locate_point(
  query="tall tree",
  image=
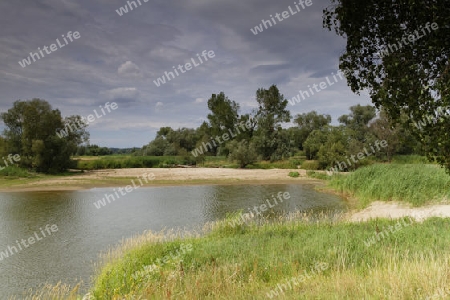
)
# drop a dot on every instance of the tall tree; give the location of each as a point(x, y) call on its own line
point(224, 113)
point(308, 122)
point(384, 129)
point(399, 50)
point(358, 120)
point(270, 115)
point(31, 131)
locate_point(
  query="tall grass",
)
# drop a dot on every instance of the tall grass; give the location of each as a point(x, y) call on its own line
point(120, 162)
point(127, 161)
point(249, 261)
point(416, 184)
point(15, 172)
point(410, 159)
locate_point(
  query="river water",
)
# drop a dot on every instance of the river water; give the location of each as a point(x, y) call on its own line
point(66, 252)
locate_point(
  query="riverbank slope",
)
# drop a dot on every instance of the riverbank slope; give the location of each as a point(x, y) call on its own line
point(159, 177)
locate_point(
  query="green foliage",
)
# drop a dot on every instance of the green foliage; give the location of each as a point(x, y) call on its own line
point(169, 142)
point(416, 184)
point(15, 172)
point(270, 141)
point(93, 150)
point(224, 114)
point(357, 121)
point(294, 174)
point(307, 123)
point(280, 164)
point(409, 159)
point(243, 152)
point(34, 131)
point(405, 78)
point(310, 165)
point(122, 162)
point(277, 147)
point(318, 175)
point(314, 141)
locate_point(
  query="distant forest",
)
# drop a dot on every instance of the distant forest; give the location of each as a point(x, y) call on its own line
point(261, 135)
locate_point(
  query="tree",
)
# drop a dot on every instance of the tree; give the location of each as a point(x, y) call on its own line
point(357, 121)
point(399, 51)
point(307, 123)
point(315, 140)
point(270, 115)
point(224, 114)
point(31, 131)
point(243, 152)
point(386, 130)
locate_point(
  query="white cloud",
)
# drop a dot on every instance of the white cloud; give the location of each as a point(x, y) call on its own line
point(129, 69)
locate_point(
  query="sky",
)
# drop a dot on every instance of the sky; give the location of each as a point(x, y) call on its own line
point(117, 57)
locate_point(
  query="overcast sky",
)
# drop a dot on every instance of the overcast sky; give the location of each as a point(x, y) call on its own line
point(117, 58)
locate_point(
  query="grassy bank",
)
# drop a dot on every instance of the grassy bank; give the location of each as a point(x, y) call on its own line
point(284, 260)
point(417, 184)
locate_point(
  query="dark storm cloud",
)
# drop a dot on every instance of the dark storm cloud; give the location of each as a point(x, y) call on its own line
point(117, 58)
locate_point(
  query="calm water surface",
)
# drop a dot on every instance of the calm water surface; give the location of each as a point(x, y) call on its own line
point(84, 231)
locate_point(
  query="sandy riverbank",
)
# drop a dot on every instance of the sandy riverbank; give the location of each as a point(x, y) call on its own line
point(395, 210)
point(162, 177)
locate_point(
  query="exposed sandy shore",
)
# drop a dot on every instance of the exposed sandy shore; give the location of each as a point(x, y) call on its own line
point(162, 176)
point(394, 210)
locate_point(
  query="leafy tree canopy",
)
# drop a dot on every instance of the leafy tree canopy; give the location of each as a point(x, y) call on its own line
point(395, 51)
point(31, 131)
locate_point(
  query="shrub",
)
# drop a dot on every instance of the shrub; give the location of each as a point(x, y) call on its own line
point(294, 174)
point(310, 165)
point(14, 171)
point(318, 175)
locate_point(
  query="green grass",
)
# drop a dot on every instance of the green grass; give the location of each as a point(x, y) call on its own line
point(410, 159)
point(128, 161)
point(416, 184)
point(248, 261)
point(13, 172)
point(291, 163)
point(318, 175)
point(119, 162)
point(310, 165)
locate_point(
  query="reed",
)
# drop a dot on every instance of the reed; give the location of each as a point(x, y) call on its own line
point(417, 184)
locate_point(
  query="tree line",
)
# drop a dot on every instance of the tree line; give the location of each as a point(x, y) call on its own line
point(31, 129)
point(269, 138)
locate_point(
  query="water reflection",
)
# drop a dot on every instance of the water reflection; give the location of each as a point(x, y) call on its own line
point(85, 231)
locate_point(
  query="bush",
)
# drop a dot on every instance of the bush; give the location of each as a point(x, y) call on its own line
point(318, 175)
point(243, 152)
point(14, 171)
point(310, 165)
point(294, 174)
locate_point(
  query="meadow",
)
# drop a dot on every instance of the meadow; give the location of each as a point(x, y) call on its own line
point(278, 259)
